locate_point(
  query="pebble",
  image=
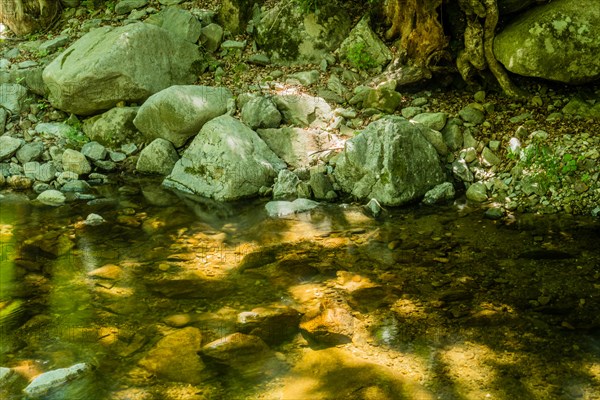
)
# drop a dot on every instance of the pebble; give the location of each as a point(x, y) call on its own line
point(94, 220)
point(494, 213)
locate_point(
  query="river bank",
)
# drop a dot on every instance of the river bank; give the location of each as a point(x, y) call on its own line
point(535, 155)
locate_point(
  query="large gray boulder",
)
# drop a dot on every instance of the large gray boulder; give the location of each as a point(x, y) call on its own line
point(226, 161)
point(390, 161)
point(109, 65)
point(288, 34)
point(558, 41)
point(179, 112)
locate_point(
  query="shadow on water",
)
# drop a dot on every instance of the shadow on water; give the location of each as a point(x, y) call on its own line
point(438, 303)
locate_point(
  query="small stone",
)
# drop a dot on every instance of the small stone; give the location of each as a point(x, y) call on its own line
point(539, 135)
point(419, 101)
point(479, 96)
point(469, 155)
point(178, 320)
point(410, 112)
point(94, 151)
point(520, 118)
point(211, 37)
point(233, 44)
point(66, 176)
point(159, 157)
point(477, 192)
point(126, 6)
point(440, 193)
point(489, 158)
point(136, 15)
point(374, 207)
point(284, 208)
point(109, 271)
point(55, 43)
point(259, 59)
point(94, 220)
point(30, 152)
point(537, 101)
point(52, 198)
point(76, 186)
point(544, 300)
point(8, 146)
point(435, 121)
point(580, 187)
point(19, 182)
point(472, 115)
point(460, 169)
point(27, 64)
point(307, 78)
point(117, 156)
point(46, 381)
point(129, 148)
point(76, 162)
point(31, 168)
point(494, 213)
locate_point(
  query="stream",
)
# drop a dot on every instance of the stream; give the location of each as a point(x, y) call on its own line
point(175, 298)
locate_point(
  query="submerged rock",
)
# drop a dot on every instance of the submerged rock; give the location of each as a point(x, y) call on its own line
point(283, 208)
point(333, 326)
point(273, 324)
point(43, 383)
point(246, 354)
point(175, 358)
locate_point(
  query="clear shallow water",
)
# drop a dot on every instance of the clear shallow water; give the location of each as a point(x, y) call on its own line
point(439, 302)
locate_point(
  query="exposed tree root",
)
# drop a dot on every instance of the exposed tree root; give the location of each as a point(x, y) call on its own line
point(478, 53)
point(497, 69)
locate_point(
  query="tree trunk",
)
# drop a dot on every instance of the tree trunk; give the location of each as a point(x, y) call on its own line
point(416, 25)
point(26, 16)
point(422, 42)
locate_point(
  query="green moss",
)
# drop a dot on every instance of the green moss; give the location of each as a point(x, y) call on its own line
point(359, 57)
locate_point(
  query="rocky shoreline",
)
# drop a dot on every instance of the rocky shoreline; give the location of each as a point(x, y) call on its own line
point(291, 131)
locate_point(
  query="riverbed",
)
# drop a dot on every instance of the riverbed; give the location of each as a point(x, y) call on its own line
point(420, 302)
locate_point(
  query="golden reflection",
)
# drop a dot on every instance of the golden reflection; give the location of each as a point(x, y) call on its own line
point(469, 366)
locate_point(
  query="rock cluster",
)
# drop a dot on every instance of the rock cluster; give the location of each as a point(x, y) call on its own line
point(314, 134)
